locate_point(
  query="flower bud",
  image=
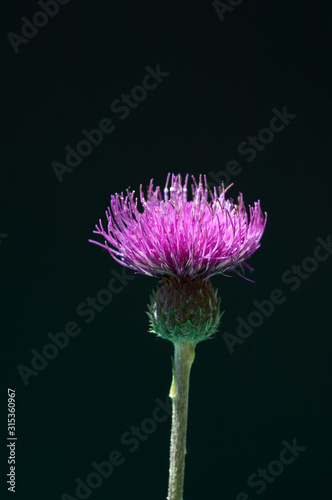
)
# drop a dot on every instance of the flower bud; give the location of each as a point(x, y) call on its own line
point(184, 310)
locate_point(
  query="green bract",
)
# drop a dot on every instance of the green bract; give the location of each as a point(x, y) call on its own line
point(184, 310)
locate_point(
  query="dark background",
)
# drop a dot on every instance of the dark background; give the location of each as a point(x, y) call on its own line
point(225, 78)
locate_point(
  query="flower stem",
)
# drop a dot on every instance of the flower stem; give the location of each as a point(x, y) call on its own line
point(184, 354)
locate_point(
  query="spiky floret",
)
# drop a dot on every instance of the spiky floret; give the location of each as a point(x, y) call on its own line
point(186, 310)
point(172, 236)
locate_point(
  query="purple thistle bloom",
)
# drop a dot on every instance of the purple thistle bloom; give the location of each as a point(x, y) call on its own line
point(172, 236)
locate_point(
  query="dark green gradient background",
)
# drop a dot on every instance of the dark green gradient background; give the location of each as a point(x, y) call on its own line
point(225, 79)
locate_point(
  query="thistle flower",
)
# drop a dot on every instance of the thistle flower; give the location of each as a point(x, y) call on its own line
point(172, 236)
point(183, 243)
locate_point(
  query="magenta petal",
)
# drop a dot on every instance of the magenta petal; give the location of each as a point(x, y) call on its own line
point(173, 236)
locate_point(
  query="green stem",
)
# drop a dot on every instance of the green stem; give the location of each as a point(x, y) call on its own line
point(184, 354)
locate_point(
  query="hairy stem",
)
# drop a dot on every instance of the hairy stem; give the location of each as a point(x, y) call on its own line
point(184, 354)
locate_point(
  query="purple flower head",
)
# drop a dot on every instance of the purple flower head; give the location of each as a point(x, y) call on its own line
point(173, 236)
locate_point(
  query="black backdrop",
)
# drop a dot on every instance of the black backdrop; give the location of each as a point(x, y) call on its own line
point(220, 73)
